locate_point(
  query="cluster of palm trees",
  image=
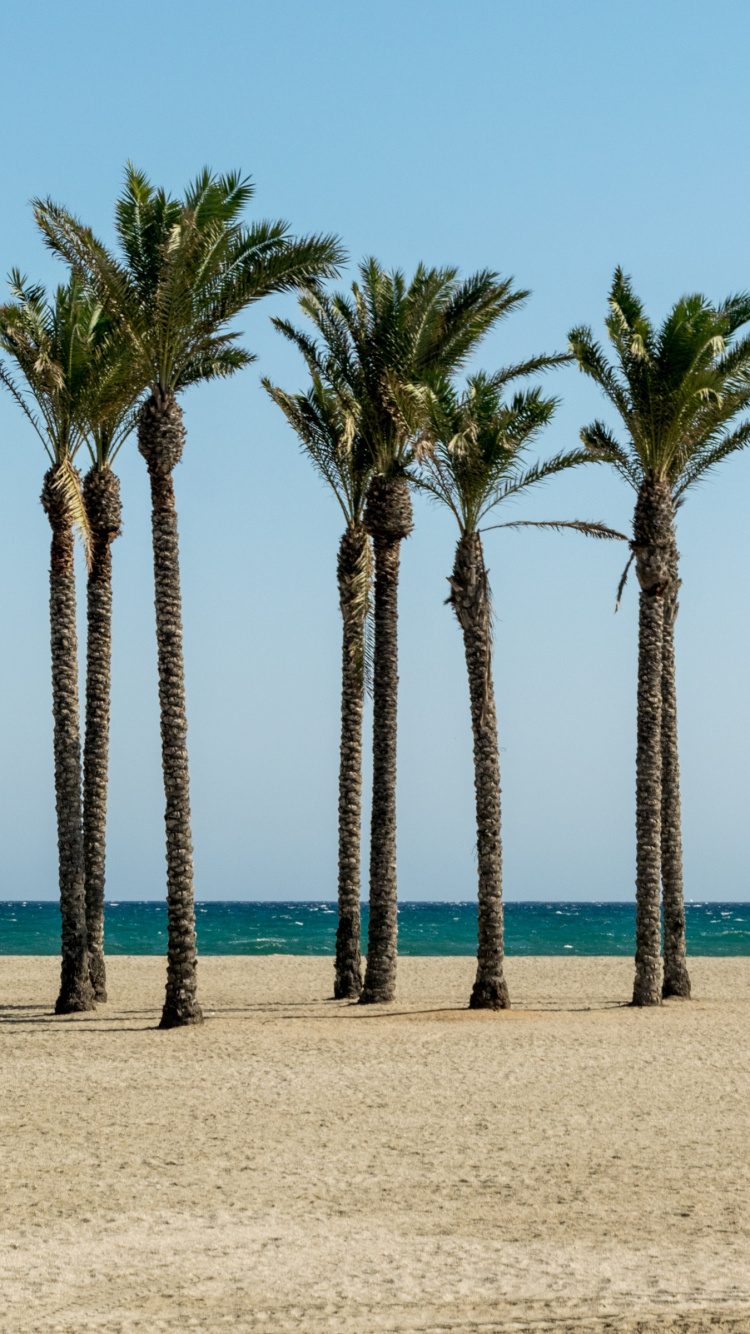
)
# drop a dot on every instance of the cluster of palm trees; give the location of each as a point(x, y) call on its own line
point(384, 412)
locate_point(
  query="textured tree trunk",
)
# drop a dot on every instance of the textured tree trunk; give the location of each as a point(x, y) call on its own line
point(101, 492)
point(76, 992)
point(353, 578)
point(160, 441)
point(471, 603)
point(676, 978)
point(388, 519)
point(652, 526)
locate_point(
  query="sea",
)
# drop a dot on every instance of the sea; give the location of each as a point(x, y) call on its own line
point(423, 928)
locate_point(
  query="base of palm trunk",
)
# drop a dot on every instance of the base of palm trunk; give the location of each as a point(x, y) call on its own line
point(76, 997)
point(676, 981)
point(647, 989)
point(98, 976)
point(348, 985)
point(181, 1017)
point(490, 993)
point(377, 995)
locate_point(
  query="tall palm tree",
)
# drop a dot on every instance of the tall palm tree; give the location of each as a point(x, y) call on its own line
point(376, 347)
point(110, 417)
point(326, 428)
point(677, 389)
point(50, 346)
point(186, 268)
point(476, 460)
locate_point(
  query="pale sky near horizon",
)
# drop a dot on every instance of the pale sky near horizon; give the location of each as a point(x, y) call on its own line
point(547, 141)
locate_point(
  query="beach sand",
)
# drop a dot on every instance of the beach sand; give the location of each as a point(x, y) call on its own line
point(301, 1164)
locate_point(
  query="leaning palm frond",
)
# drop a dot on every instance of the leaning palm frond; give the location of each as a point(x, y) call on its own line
point(7, 379)
point(599, 530)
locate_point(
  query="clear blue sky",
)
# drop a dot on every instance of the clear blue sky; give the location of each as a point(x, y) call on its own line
point(550, 141)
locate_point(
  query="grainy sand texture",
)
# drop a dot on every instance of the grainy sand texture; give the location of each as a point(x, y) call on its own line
point(299, 1164)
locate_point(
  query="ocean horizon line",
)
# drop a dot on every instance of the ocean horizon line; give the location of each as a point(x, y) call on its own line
point(332, 903)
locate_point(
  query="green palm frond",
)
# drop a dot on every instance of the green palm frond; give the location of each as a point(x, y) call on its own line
point(602, 446)
point(7, 379)
point(532, 366)
point(702, 460)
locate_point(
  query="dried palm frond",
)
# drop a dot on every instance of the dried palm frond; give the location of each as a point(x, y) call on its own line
point(623, 581)
point(589, 529)
point(67, 481)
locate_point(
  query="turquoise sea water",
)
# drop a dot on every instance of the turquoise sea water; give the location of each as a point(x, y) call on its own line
point(424, 928)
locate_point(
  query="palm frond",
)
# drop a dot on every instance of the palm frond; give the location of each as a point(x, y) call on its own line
point(703, 460)
point(12, 387)
point(361, 605)
point(623, 581)
point(589, 529)
point(602, 445)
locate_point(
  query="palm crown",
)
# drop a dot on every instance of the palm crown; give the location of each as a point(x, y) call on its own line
point(76, 386)
point(111, 407)
point(188, 267)
point(52, 345)
point(378, 345)
point(677, 389)
point(327, 431)
point(476, 442)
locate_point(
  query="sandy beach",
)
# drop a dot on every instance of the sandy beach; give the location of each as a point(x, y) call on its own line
point(303, 1164)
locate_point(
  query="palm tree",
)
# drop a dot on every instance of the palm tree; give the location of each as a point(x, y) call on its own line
point(50, 344)
point(327, 431)
point(376, 348)
point(110, 417)
point(677, 390)
point(475, 460)
point(187, 267)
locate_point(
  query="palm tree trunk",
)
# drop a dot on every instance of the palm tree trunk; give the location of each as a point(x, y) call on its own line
point(471, 602)
point(388, 519)
point(676, 978)
point(160, 441)
point(651, 537)
point(353, 579)
point(76, 992)
point(102, 498)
